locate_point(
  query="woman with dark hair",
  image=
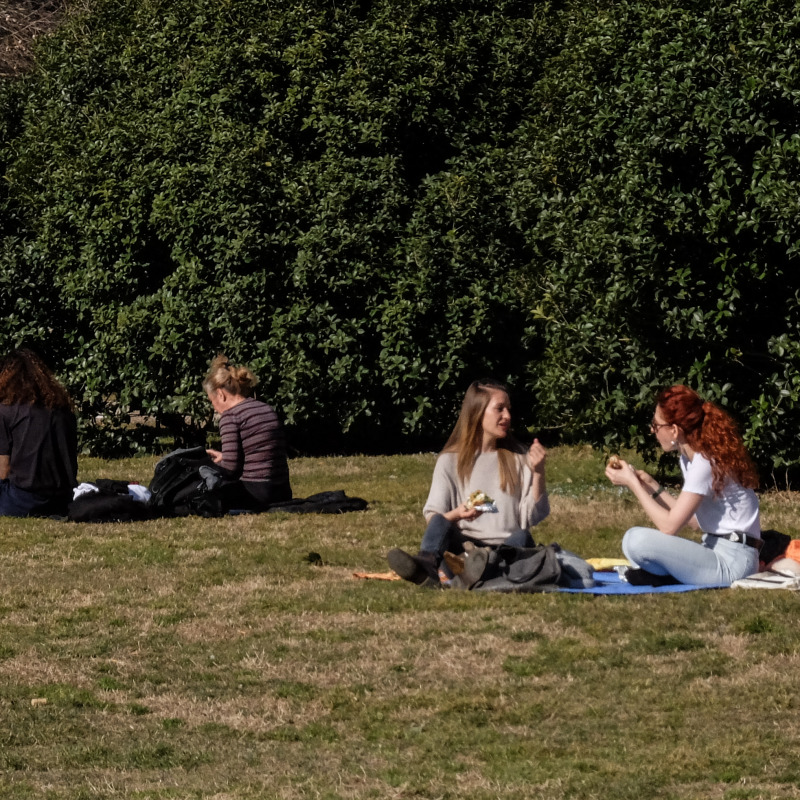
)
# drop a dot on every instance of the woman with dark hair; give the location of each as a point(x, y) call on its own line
point(38, 439)
point(253, 451)
point(480, 455)
point(717, 496)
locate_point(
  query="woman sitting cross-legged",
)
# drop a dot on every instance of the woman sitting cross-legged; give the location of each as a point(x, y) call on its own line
point(480, 455)
point(717, 497)
point(253, 454)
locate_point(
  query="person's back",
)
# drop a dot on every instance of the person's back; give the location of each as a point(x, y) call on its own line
point(263, 444)
point(253, 450)
point(38, 439)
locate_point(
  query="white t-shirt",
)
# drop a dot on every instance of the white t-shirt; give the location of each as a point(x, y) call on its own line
point(736, 509)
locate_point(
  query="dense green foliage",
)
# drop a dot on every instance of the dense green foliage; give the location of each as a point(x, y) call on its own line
point(309, 189)
point(374, 203)
point(670, 228)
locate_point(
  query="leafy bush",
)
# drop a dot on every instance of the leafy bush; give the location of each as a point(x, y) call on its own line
point(374, 203)
point(312, 189)
point(659, 192)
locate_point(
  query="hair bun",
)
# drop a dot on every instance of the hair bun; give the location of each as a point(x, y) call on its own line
point(224, 375)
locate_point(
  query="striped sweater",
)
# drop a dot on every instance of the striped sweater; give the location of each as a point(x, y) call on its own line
point(253, 443)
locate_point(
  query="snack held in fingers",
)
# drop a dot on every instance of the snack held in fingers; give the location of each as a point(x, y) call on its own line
point(478, 498)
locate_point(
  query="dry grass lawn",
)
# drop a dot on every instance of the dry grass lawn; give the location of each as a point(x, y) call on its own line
point(211, 659)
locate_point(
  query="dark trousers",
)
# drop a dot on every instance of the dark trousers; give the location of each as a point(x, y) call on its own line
point(16, 502)
point(442, 535)
point(254, 495)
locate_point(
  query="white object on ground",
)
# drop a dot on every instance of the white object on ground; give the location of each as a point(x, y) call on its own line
point(83, 488)
point(139, 492)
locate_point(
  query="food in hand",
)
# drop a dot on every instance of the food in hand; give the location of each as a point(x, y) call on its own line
point(614, 462)
point(478, 498)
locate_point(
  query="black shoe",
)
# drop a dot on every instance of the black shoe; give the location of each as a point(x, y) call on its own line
point(421, 569)
point(641, 577)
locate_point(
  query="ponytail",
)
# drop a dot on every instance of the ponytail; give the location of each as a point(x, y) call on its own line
point(712, 432)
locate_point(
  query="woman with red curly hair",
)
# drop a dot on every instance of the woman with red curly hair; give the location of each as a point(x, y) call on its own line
point(38, 439)
point(717, 496)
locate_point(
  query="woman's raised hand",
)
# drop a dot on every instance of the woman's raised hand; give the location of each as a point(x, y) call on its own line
point(537, 456)
point(621, 473)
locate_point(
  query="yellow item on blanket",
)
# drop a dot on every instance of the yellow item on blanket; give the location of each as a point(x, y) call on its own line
point(607, 564)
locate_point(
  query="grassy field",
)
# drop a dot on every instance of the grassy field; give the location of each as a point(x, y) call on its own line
point(199, 658)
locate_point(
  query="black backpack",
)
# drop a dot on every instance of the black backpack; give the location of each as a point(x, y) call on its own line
point(185, 482)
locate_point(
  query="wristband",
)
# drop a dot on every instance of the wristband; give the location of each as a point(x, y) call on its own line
point(657, 492)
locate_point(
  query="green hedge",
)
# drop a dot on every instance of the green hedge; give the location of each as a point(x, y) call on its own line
point(668, 231)
point(312, 189)
point(374, 203)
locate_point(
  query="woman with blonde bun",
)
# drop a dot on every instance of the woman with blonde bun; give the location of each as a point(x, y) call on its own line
point(253, 443)
point(717, 496)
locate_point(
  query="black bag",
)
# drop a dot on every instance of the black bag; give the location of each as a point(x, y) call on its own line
point(775, 544)
point(507, 569)
point(186, 482)
point(107, 505)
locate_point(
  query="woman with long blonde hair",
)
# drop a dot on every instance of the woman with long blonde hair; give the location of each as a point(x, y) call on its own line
point(717, 496)
point(480, 455)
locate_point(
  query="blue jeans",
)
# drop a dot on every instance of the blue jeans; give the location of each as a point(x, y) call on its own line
point(715, 562)
point(16, 502)
point(442, 535)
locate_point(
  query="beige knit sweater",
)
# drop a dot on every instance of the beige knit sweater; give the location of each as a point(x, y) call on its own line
point(516, 510)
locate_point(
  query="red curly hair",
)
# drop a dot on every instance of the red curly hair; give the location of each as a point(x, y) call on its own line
point(711, 432)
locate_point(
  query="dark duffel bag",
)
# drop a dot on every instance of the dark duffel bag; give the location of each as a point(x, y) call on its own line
point(505, 568)
point(186, 482)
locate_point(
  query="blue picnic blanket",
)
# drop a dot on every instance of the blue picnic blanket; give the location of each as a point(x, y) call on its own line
point(610, 583)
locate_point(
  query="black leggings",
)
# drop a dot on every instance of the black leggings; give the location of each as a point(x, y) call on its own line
point(441, 535)
point(255, 495)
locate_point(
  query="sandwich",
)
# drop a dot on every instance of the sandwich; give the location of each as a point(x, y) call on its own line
point(480, 500)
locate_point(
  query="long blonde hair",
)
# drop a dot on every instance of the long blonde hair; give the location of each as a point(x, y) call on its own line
point(235, 380)
point(467, 437)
